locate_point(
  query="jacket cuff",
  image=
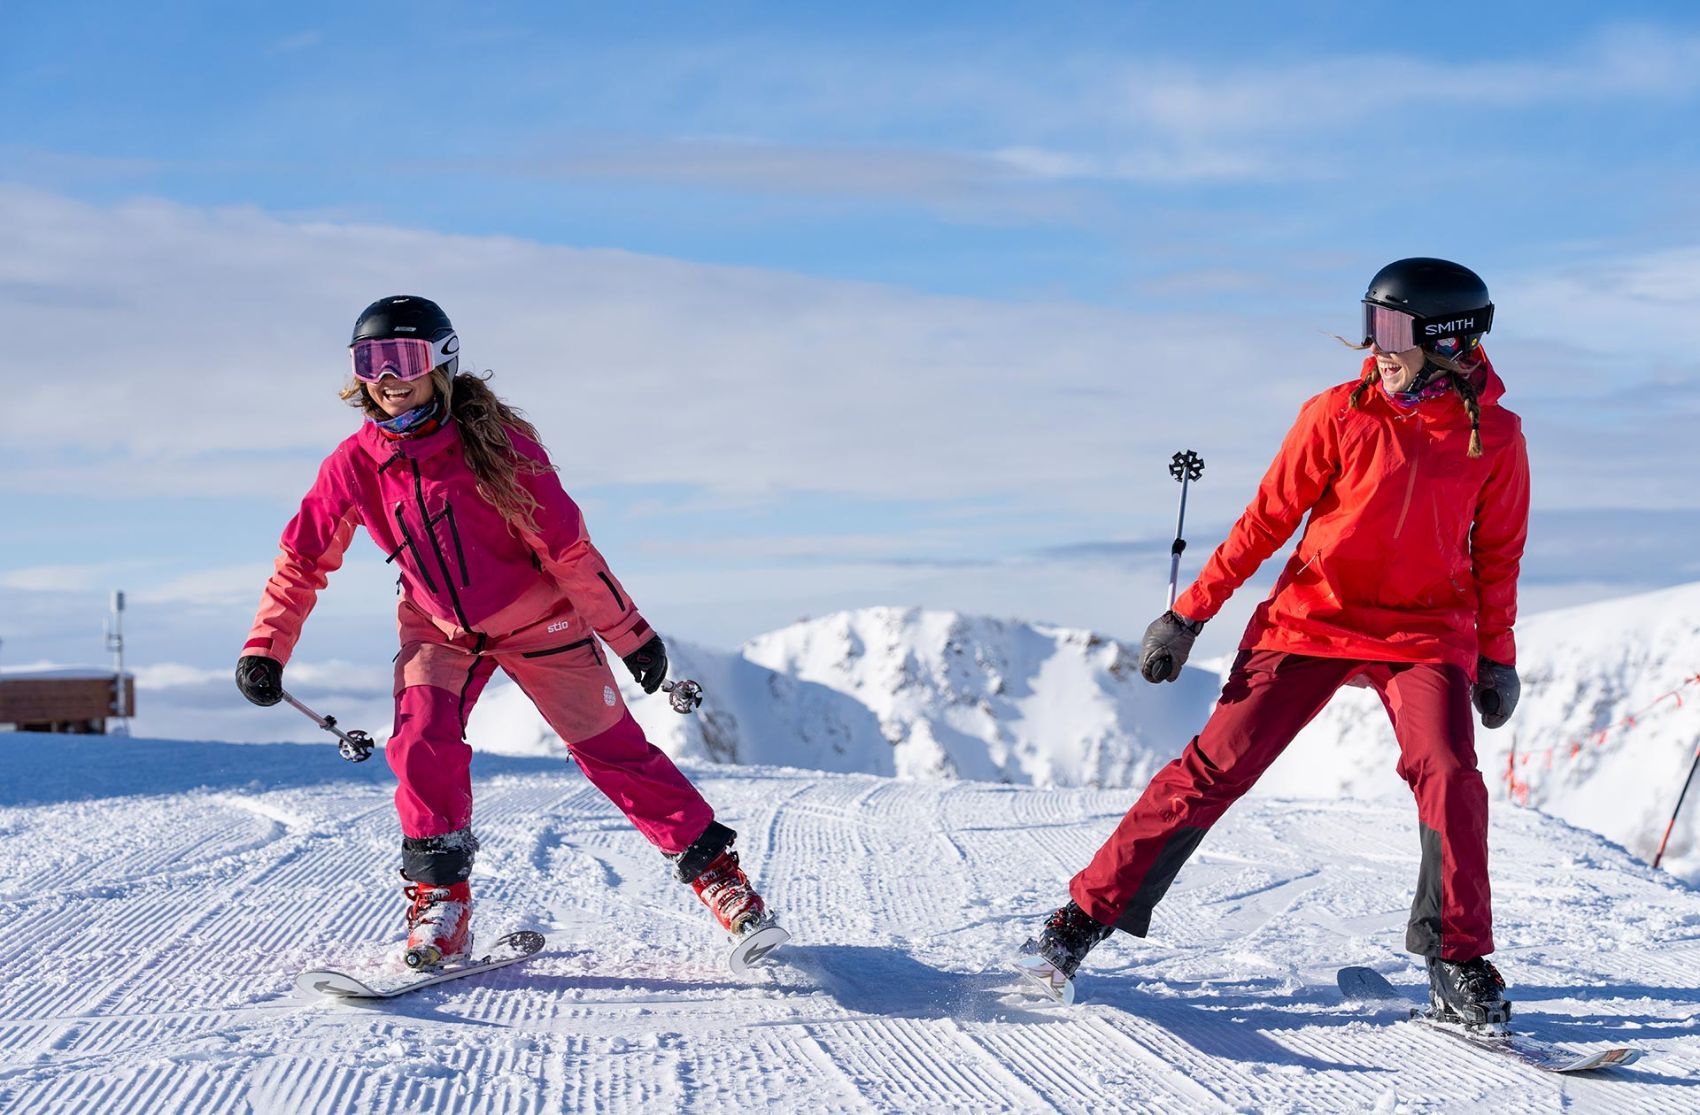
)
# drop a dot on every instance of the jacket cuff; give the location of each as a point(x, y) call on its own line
point(1499, 648)
point(1192, 605)
point(637, 632)
point(265, 648)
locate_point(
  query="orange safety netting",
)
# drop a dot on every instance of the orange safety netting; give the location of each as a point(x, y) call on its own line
point(1518, 788)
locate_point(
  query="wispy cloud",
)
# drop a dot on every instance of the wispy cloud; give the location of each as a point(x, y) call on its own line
point(81, 577)
point(196, 370)
point(200, 333)
point(303, 40)
point(816, 118)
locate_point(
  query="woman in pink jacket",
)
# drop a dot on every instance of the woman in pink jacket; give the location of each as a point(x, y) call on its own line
point(497, 570)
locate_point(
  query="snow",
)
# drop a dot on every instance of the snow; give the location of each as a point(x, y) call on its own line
point(160, 897)
point(912, 693)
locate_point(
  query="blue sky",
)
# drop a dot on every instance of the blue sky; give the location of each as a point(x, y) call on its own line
point(894, 303)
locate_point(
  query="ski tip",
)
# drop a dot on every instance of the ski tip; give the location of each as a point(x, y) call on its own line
point(1366, 985)
point(1043, 974)
point(333, 985)
point(755, 946)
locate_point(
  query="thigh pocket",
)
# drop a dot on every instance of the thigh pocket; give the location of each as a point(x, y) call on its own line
point(577, 649)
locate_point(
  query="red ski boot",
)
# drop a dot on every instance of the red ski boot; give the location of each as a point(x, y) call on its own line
point(438, 923)
point(726, 891)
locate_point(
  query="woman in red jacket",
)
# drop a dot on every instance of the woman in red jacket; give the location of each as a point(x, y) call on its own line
point(496, 569)
point(1416, 482)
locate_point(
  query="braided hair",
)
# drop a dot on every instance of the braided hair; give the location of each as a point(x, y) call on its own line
point(1370, 380)
point(1456, 375)
point(1461, 384)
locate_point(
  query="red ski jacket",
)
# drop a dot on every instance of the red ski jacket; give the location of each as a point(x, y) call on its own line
point(460, 562)
point(1412, 549)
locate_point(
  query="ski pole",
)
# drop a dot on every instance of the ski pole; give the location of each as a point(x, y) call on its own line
point(685, 696)
point(1691, 767)
point(355, 746)
point(1185, 467)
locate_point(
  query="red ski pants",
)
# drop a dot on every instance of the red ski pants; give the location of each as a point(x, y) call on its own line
point(1268, 698)
point(439, 679)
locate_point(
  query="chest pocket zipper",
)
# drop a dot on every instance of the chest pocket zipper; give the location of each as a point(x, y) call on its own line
point(408, 543)
point(448, 513)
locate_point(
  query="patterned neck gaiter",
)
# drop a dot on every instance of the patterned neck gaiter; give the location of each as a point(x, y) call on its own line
point(1433, 389)
point(415, 423)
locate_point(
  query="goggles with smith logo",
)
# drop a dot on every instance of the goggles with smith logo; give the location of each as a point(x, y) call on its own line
point(1395, 330)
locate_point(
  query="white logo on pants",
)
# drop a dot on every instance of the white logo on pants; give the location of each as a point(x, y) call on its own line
point(608, 697)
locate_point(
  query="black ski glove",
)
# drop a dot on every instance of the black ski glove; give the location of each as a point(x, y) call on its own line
point(260, 678)
point(1166, 645)
point(648, 664)
point(1496, 692)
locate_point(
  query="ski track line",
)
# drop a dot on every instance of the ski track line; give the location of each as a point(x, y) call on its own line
point(84, 860)
point(788, 865)
point(772, 1073)
point(904, 1065)
point(1072, 1067)
point(1199, 1081)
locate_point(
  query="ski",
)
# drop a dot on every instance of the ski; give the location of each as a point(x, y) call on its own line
point(754, 946)
point(1042, 974)
point(1365, 985)
point(387, 985)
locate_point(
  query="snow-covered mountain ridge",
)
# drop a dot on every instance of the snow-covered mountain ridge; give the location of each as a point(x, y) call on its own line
point(912, 693)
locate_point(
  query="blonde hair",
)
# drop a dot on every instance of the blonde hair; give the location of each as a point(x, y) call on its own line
point(1457, 376)
point(485, 423)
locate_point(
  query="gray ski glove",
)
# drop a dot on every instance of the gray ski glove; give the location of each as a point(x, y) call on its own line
point(1495, 692)
point(1167, 642)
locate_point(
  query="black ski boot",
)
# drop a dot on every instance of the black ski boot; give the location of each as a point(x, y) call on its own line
point(1471, 993)
point(1070, 933)
point(1052, 960)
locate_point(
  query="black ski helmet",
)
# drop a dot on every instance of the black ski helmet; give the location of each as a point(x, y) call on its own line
point(1448, 300)
point(408, 315)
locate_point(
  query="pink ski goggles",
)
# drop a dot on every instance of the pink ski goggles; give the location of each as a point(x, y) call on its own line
point(405, 358)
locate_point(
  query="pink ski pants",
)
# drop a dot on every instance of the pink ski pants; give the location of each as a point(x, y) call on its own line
point(438, 678)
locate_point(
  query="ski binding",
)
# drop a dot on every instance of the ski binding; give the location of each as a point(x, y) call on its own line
point(387, 985)
point(1365, 985)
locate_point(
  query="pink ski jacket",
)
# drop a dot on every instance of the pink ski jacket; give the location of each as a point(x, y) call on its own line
point(461, 562)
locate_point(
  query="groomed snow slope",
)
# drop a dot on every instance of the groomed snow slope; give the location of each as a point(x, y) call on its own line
point(159, 897)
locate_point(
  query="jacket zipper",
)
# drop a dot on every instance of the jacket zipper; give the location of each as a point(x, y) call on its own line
point(612, 591)
point(407, 540)
point(1410, 489)
point(448, 513)
point(442, 562)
